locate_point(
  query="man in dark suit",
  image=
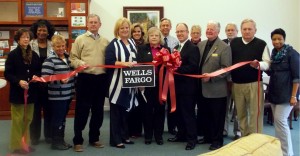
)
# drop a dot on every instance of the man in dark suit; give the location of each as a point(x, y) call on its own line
point(213, 91)
point(186, 89)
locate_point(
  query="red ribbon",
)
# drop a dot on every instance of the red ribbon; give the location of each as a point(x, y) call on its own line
point(24, 144)
point(171, 62)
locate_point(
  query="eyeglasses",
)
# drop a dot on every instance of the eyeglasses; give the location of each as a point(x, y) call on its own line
point(25, 37)
point(180, 31)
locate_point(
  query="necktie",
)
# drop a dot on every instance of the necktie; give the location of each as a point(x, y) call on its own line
point(166, 42)
point(179, 47)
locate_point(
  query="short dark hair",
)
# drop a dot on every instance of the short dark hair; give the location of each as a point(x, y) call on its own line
point(278, 31)
point(42, 23)
point(20, 32)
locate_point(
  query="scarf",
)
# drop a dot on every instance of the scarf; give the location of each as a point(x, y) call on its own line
point(278, 56)
point(139, 41)
point(26, 54)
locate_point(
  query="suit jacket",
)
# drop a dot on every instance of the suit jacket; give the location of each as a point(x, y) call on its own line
point(144, 54)
point(218, 57)
point(190, 57)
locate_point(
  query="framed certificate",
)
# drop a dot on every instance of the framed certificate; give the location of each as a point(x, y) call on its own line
point(78, 21)
point(34, 9)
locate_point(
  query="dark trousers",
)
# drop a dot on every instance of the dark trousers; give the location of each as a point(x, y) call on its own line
point(214, 113)
point(154, 114)
point(118, 124)
point(171, 117)
point(58, 121)
point(186, 117)
point(90, 96)
point(200, 116)
point(135, 121)
point(41, 104)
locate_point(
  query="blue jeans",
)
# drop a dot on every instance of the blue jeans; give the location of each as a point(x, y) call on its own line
point(60, 110)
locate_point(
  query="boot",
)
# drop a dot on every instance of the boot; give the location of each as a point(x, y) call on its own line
point(58, 144)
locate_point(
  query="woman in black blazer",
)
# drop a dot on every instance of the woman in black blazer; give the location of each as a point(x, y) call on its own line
point(153, 111)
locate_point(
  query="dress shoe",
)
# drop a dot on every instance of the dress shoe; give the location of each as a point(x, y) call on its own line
point(189, 146)
point(31, 149)
point(236, 137)
point(97, 144)
point(203, 141)
point(214, 146)
point(67, 145)
point(23, 151)
point(159, 142)
point(173, 131)
point(295, 118)
point(120, 146)
point(225, 133)
point(148, 142)
point(127, 141)
point(78, 148)
point(59, 147)
point(176, 139)
point(20, 151)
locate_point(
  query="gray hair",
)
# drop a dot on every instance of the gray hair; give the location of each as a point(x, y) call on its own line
point(93, 15)
point(215, 23)
point(248, 20)
point(232, 24)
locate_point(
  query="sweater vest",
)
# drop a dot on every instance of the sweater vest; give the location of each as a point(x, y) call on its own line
point(246, 52)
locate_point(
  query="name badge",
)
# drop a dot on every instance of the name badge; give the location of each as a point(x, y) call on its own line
point(214, 55)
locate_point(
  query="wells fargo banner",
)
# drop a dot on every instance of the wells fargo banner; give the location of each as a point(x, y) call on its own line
point(138, 76)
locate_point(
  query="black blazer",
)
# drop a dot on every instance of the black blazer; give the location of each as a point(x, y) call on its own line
point(190, 57)
point(16, 70)
point(144, 53)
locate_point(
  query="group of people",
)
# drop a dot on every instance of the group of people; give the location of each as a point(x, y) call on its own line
point(135, 109)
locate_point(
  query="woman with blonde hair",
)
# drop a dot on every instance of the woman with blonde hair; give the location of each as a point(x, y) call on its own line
point(121, 52)
point(153, 111)
point(60, 93)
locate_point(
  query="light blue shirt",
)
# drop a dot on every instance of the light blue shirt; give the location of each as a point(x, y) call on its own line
point(172, 42)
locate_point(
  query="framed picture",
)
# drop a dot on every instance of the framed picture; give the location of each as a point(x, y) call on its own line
point(77, 8)
point(4, 34)
point(65, 34)
point(4, 44)
point(78, 21)
point(146, 16)
point(77, 32)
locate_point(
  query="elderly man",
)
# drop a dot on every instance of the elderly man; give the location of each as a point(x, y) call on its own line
point(245, 88)
point(213, 91)
point(91, 87)
point(231, 31)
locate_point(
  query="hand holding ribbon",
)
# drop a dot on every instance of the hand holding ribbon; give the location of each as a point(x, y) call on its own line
point(171, 62)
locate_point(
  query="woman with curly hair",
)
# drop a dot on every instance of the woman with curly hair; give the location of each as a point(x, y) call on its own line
point(42, 31)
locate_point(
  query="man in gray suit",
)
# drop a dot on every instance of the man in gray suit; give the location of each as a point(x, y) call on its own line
point(215, 55)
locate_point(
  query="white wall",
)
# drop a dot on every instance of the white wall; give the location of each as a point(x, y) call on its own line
point(268, 14)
